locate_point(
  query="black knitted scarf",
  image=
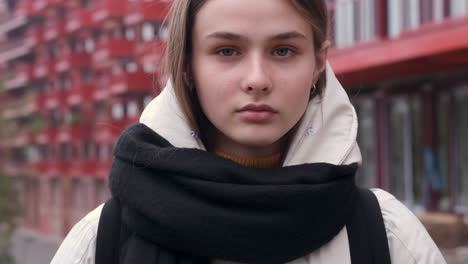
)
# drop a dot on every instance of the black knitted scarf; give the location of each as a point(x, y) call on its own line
point(191, 206)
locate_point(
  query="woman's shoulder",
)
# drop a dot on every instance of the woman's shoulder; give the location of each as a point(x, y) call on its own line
point(79, 246)
point(408, 238)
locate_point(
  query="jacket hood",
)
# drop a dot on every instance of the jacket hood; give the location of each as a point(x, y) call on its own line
point(327, 132)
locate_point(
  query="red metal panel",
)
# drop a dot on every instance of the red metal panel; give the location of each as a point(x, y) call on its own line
point(54, 29)
point(430, 40)
point(103, 168)
point(56, 98)
point(105, 9)
point(113, 48)
point(130, 82)
point(80, 93)
point(35, 35)
point(79, 18)
point(156, 10)
point(73, 60)
point(26, 7)
point(54, 2)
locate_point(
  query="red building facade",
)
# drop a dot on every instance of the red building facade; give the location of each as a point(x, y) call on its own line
point(77, 72)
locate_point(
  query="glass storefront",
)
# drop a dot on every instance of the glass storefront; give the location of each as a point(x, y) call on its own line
point(405, 150)
point(461, 146)
point(443, 114)
point(365, 109)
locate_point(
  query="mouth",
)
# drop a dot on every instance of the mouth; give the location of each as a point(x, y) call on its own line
point(258, 108)
point(257, 113)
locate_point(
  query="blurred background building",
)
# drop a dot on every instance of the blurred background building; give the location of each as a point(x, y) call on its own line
point(75, 73)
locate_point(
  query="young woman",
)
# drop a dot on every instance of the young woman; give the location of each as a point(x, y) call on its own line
point(247, 155)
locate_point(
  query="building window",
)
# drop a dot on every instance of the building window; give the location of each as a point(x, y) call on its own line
point(104, 152)
point(87, 150)
point(438, 10)
point(101, 194)
point(117, 111)
point(64, 151)
point(458, 8)
point(87, 76)
point(32, 153)
point(54, 193)
point(163, 33)
point(64, 81)
point(89, 45)
point(130, 33)
point(131, 67)
point(100, 110)
point(77, 196)
point(148, 67)
point(132, 109)
point(147, 32)
point(116, 68)
point(354, 21)
point(147, 100)
point(55, 118)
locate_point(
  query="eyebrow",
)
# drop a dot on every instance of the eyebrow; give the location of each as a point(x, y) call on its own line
point(237, 37)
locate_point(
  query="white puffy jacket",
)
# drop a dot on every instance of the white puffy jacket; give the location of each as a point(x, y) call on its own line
point(327, 133)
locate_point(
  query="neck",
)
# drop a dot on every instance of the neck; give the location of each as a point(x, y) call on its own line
point(223, 144)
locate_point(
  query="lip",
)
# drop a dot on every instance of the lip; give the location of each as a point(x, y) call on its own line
point(257, 113)
point(258, 108)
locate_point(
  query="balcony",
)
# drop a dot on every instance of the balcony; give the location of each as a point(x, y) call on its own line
point(49, 134)
point(13, 49)
point(50, 3)
point(72, 60)
point(127, 82)
point(112, 48)
point(146, 11)
point(79, 18)
point(43, 68)
point(56, 98)
point(41, 102)
point(35, 35)
point(20, 107)
point(83, 167)
point(54, 29)
point(38, 5)
point(120, 125)
point(153, 49)
point(109, 130)
point(10, 22)
point(60, 167)
point(22, 75)
point(105, 9)
point(80, 93)
point(23, 138)
point(74, 132)
point(103, 168)
point(26, 8)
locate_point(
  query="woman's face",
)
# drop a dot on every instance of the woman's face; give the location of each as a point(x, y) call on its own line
point(254, 65)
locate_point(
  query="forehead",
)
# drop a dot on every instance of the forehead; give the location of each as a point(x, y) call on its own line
point(255, 18)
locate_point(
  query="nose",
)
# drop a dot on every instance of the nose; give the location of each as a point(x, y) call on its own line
point(257, 79)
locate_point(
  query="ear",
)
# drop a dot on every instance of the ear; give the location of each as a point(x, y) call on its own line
point(321, 58)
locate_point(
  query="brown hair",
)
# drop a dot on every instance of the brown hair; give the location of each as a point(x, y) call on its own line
point(177, 60)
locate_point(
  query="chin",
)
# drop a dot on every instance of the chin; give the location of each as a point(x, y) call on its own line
point(258, 141)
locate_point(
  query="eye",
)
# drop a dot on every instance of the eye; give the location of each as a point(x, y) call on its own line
point(227, 52)
point(283, 52)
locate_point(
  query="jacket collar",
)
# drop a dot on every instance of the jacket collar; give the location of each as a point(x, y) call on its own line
point(327, 132)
